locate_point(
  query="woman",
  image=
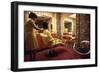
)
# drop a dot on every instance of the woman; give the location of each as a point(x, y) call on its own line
point(30, 30)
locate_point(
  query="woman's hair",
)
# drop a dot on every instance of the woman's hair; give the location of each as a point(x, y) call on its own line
point(45, 25)
point(32, 15)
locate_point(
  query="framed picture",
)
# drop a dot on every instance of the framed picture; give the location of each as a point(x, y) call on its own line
point(52, 36)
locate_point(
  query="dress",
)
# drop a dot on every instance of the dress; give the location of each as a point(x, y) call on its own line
point(29, 33)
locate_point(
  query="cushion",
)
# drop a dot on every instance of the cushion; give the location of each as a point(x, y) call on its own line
point(39, 42)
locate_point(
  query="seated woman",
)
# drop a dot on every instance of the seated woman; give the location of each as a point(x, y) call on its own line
point(49, 38)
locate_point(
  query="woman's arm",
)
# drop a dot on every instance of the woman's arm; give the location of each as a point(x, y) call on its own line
point(35, 26)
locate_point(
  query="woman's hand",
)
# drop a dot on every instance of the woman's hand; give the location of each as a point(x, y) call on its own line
point(41, 30)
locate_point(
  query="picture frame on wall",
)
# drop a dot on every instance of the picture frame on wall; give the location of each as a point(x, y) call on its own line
point(52, 36)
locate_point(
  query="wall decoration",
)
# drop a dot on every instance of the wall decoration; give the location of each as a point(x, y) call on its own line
point(52, 36)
